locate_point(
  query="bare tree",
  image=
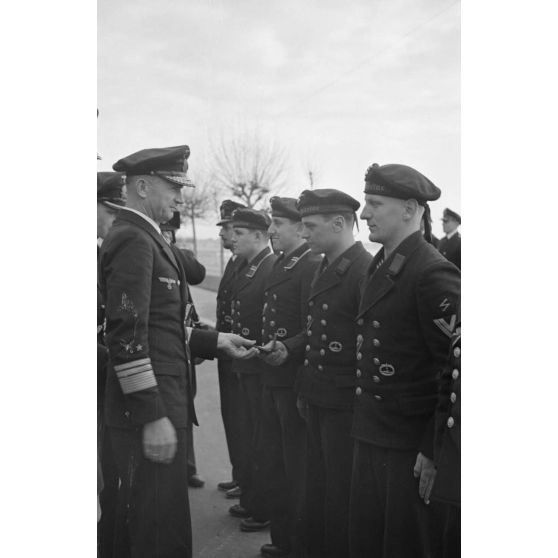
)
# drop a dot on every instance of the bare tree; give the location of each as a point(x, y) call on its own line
point(312, 169)
point(249, 166)
point(199, 202)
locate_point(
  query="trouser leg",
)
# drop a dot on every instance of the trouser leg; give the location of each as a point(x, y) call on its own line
point(108, 498)
point(290, 519)
point(154, 510)
point(315, 486)
point(388, 518)
point(255, 500)
point(337, 451)
point(229, 389)
point(191, 456)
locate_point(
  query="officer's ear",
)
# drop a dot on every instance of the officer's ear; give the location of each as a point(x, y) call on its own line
point(299, 228)
point(137, 185)
point(338, 223)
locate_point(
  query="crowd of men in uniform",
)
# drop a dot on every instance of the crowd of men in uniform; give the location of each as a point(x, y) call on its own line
point(339, 372)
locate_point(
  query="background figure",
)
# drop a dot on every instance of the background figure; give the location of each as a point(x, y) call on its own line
point(110, 197)
point(251, 241)
point(450, 245)
point(229, 385)
point(195, 274)
point(283, 430)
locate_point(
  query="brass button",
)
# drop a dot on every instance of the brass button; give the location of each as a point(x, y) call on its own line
point(265, 293)
point(274, 297)
point(324, 337)
point(378, 397)
point(238, 302)
point(307, 348)
point(323, 322)
point(309, 317)
point(273, 310)
point(455, 374)
point(376, 361)
point(325, 307)
point(376, 379)
point(311, 303)
point(457, 352)
point(453, 397)
point(360, 338)
point(263, 319)
point(272, 323)
point(320, 368)
point(376, 324)
point(376, 342)
point(358, 373)
point(359, 356)
point(322, 352)
point(451, 422)
point(360, 321)
point(309, 333)
point(305, 362)
point(358, 391)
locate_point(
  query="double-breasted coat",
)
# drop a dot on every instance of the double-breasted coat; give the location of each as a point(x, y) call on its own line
point(327, 376)
point(146, 299)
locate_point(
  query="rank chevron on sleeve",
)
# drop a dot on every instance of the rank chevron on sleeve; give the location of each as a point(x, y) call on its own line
point(135, 375)
point(444, 326)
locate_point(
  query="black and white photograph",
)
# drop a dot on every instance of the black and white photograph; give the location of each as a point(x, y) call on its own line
point(280, 192)
point(279, 254)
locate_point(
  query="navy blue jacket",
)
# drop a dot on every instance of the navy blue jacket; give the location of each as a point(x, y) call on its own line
point(406, 317)
point(247, 304)
point(145, 292)
point(286, 306)
point(327, 375)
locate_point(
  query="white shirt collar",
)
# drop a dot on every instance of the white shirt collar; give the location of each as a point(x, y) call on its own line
point(448, 236)
point(144, 216)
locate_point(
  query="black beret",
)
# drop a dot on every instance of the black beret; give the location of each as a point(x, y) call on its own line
point(449, 214)
point(173, 224)
point(284, 207)
point(226, 211)
point(325, 200)
point(170, 163)
point(110, 188)
point(247, 218)
point(399, 181)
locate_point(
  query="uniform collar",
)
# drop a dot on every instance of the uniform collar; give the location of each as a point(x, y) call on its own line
point(448, 236)
point(144, 216)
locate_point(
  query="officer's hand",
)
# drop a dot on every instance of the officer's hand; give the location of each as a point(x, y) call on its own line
point(278, 354)
point(159, 440)
point(236, 346)
point(302, 407)
point(425, 471)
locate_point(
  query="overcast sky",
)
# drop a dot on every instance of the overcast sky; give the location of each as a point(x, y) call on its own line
point(343, 84)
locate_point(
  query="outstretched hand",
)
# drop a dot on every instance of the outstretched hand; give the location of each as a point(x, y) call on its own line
point(236, 346)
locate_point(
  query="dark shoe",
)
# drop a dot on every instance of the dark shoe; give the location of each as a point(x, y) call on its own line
point(227, 485)
point(238, 511)
point(233, 493)
point(250, 524)
point(270, 550)
point(195, 481)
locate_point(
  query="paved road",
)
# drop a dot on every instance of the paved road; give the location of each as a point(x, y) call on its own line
point(216, 533)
